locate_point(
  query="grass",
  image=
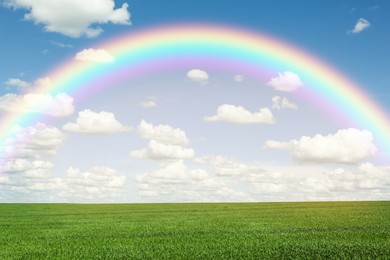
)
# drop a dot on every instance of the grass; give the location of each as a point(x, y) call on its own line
point(316, 230)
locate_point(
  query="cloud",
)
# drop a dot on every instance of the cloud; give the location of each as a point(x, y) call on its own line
point(61, 45)
point(72, 18)
point(174, 181)
point(223, 166)
point(361, 25)
point(165, 134)
point(239, 115)
point(98, 184)
point(272, 144)
point(165, 143)
point(95, 55)
point(148, 103)
point(286, 82)
point(17, 83)
point(238, 78)
point(28, 180)
point(161, 151)
point(282, 102)
point(174, 172)
point(89, 122)
point(36, 141)
point(59, 105)
point(347, 146)
point(197, 75)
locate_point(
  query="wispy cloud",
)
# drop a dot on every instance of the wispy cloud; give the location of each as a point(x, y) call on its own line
point(361, 25)
point(17, 83)
point(282, 103)
point(61, 45)
point(148, 103)
point(238, 78)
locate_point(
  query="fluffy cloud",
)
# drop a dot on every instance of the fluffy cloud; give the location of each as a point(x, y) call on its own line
point(282, 102)
point(95, 55)
point(161, 151)
point(89, 122)
point(17, 83)
point(165, 134)
point(360, 26)
point(36, 141)
point(72, 18)
point(347, 146)
point(286, 82)
point(58, 106)
point(239, 115)
point(98, 184)
point(197, 75)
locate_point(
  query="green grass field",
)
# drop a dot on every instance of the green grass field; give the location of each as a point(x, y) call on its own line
point(331, 230)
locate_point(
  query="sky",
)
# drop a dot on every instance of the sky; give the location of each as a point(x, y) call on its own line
point(189, 134)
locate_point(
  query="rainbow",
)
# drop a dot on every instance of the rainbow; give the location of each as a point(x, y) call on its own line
point(221, 47)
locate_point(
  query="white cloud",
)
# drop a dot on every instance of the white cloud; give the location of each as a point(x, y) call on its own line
point(16, 165)
point(170, 173)
point(29, 180)
point(347, 146)
point(282, 102)
point(174, 181)
point(223, 166)
point(36, 141)
point(361, 25)
point(17, 83)
point(286, 82)
point(239, 115)
point(148, 103)
point(95, 55)
point(58, 106)
point(161, 151)
point(61, 45)
point(165, 134)
point(89, 122)
point(272, 144)
point(98, 184)
point(238, 78)
point(72, 18)
point(197, 75)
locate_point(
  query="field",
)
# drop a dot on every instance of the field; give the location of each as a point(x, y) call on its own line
point(316, 230)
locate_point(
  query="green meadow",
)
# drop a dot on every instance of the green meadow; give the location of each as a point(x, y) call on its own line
point(315, 230)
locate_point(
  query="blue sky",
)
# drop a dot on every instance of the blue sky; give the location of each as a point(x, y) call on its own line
point(158, 141)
